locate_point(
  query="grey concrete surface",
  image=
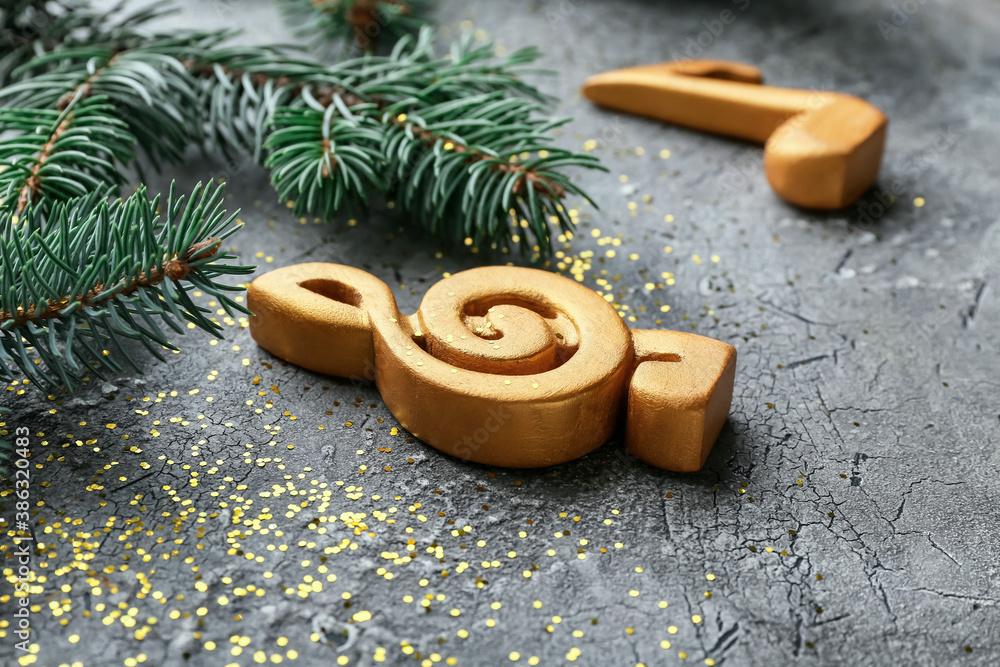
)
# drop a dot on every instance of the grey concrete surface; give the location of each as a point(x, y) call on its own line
point(847, 515)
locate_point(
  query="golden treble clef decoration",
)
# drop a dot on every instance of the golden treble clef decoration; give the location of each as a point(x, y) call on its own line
point(821, 149)
point(505, 366)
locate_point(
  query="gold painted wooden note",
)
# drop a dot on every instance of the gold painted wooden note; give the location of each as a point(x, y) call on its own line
point(821, 150)
point(506, 366)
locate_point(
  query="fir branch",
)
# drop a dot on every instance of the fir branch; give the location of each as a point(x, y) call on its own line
point(147, 87)
point(362, 22)
point(243, 87)
point(324, 161)
point(66, 154)
point(451, 135)
point(85, 275)
point(460, 169)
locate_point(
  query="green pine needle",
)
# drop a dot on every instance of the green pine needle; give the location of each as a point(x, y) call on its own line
point(324, 161)
point(458, 168)
point(80, 278)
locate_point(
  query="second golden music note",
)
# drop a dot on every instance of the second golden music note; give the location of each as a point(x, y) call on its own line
point(821, 150)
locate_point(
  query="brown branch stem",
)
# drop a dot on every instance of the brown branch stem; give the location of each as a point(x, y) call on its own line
point(540, 184)
point(32, 186)
point(325, 94)
point(34, 182)
point(176, 268)
point(326, 156)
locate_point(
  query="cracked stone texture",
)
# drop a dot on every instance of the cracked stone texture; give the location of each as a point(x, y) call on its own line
point(848, 511)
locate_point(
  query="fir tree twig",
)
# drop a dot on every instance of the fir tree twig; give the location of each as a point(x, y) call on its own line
point(146, 86)
point(81, 276)
point(464, 159)
point(65, 153)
